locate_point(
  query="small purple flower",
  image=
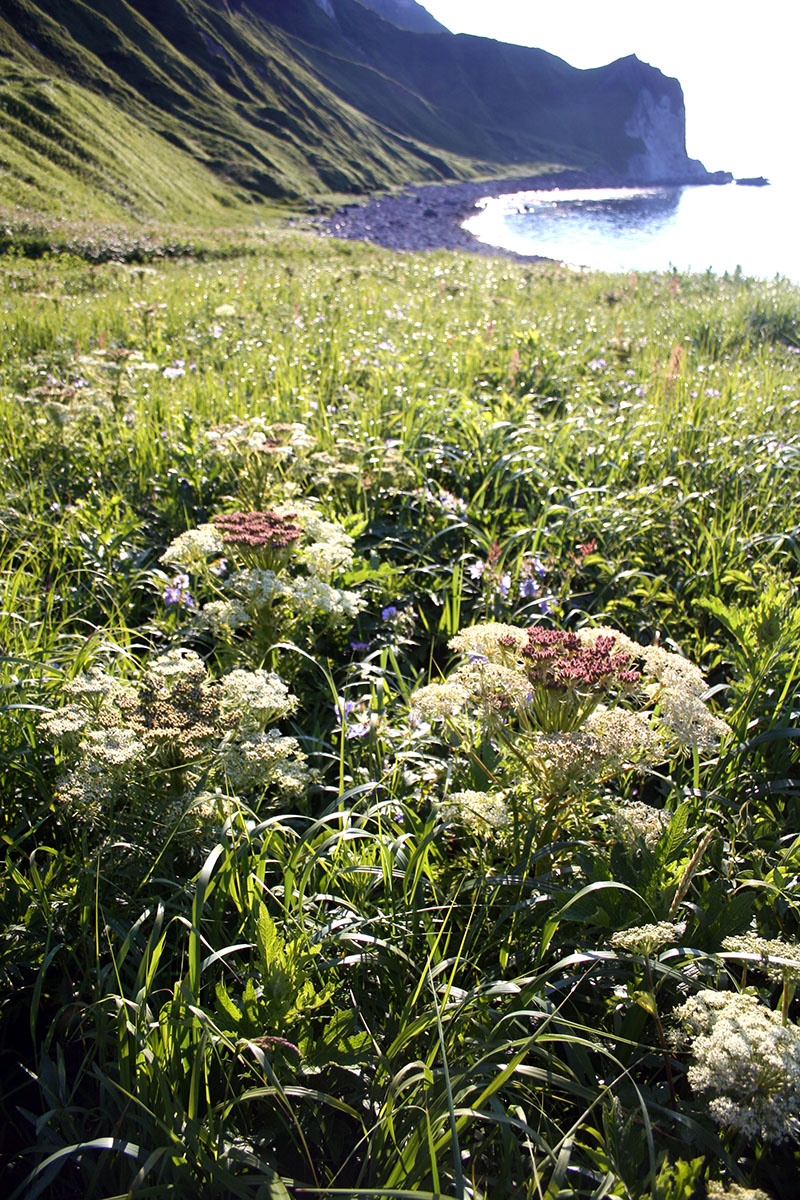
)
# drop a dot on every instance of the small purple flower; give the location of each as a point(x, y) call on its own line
point(546, 606)
point(359, 647)
point(358, 728)
point(388, 613)
point(597, 364)
point(528, 588)
point(640, 390)
point(713, 393)
point(504, 585)
point(538, 567)
point(178, 592)
point(452, 503)
point(476, 570)
point(174, 372)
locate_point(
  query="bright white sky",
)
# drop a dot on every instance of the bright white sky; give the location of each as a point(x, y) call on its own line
point(737, 62)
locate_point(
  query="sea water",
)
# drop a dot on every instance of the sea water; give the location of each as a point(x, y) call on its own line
point(711, 227)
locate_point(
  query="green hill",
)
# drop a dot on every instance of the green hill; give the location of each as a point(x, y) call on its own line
point(194, 109)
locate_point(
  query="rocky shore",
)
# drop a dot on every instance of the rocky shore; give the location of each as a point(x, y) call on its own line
point(430, 217)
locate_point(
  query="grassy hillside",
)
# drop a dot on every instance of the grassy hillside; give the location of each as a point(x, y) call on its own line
point(224, 89)
point(65, 149)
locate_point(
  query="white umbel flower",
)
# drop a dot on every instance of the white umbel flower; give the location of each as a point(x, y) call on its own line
point(688, 719)
point(436, 701)
point(481, 812)
point(648, 939)
point(493, 640)
point(252, 699)
point(634, 818)
point(193, 548)
point(264, 760)
point(749, 1062)
point(717, 1191)
point(174, 668)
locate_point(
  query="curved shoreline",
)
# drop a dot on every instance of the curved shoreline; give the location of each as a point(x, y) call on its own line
point(430, 216)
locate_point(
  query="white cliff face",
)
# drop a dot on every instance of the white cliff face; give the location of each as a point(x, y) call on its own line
point(662, 131)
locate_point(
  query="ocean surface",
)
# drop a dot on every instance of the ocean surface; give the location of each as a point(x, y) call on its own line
point(713, 227)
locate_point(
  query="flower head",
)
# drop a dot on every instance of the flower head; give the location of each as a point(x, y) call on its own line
point(749, 1062)
point(481, 812)
point(778, 959)
point(647, 939)
point(557, 659)
point(177, 592)
point(438, 701)
point(640, 821)
point(257, 530)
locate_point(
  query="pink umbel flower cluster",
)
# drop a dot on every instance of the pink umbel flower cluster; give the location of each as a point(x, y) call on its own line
point(555, 658)
point(257, 530)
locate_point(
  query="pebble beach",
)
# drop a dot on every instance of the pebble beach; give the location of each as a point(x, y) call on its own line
point(431, 216)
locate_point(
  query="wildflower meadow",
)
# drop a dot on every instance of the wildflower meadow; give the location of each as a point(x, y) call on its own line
point(400, 689)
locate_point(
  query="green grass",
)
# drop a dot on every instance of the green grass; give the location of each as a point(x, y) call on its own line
point(69, 152)
point(352, 994)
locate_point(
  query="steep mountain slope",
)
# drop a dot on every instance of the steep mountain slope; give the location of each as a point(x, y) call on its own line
point(221, 86)
point(473, 96)
point(233, 101)
point(67, 150)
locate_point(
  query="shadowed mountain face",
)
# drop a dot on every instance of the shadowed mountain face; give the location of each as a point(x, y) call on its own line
point(406, 14)
point(286, 98)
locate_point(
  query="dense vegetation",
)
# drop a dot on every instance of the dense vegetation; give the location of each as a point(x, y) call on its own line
point(299, 895)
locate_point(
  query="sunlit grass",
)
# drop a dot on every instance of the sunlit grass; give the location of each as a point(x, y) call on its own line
point(353, 995)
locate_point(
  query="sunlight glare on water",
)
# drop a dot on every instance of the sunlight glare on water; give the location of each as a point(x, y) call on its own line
point(650, 229)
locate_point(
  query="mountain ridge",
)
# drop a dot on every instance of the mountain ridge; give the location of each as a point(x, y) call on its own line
point(406, 14)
